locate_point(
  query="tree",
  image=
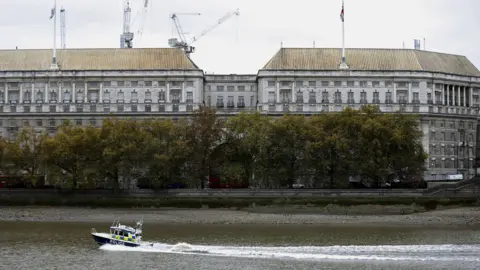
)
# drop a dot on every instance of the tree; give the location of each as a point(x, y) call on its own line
point(26, 153)
point(205, 132)
point(286, 160)
point(124, 145)
point(73, 150)
point(247, 137)
point(168, 149)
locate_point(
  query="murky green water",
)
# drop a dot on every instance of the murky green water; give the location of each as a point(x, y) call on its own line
point(68, 245)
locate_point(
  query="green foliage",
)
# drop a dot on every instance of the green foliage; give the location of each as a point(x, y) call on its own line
point(320, 151)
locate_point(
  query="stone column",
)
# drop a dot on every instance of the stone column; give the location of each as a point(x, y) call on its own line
point(100, 95)
point(409, 93)
point(85, 93)
point(20, 95)
point(167, 98)
point(448, 94)
point(74, 92)
point(5, 94)
point(394, 92)
point(183, 92)
point(60, 92)
point(33, 95)
point(294, 92)
point(470, 93)
point(278, 91)
point(45, 93)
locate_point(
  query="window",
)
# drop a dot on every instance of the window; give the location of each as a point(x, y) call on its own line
point(388, 97)
point(285, 96)
point(299, 97)
point(120, 96)
point(161, 96)
point(325, 83)
point(429, 85)
point(350, 84)
point(363, 84)
point(148, 83)
point(26, 109)
point(67, 97)
point(325, 97)
point(312, 97)
point(106, 109)
point(415, 85)
point(220, 88)
point(312, 84)
point(416, 98)
point(39, 123)
point(38, 108)
point(376, 84)
point(376, 97)
point(271, 97)
point(93, 108)
point(80, 95)
point(350, 97)
point(241, 88)
point(209, 101)
point(285, 84)
point(176, 84)
point(148, 108)
point(53, 108)
point(134, 97)
point(27, 96)
point(338, 97)
point(299, 84)
point(363, 97)
point(271, 83)
point(220, 102)
point(175, 96)
point(337, 83)
point(120, 108)
point(230, 88)
point(189, 84)
point(252, 99)
point(230, 103)
point(39, 96)
point(241, 102)
point(134, 108)
point(189, 96)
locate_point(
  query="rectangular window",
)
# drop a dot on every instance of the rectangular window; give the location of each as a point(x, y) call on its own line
point(189, 84)
point(220, 102)
point(230, 88)
point(241, 102)
point(416, 98)
point(376, 84)
point(325, 98)
point(271, 97)
point(161, 96)
point(415, 85)
point(241, 88)
point(350, 97)
point(230, 102)
point(363, 97)
point(299, 97)
point(312, 97)
point(271, 83)
point(338, 97)
point(350, 84)
point(189, 96)
point(220, 88)
point(376, 97)
point(148, 96)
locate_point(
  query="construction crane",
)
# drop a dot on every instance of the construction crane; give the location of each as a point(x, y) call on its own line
point(126, 38)
point(187, 45)
point(63, 31)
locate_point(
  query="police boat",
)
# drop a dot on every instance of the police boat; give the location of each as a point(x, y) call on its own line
point(120, 235)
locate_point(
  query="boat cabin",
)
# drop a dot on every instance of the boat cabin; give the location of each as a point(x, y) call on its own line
point(122, 232)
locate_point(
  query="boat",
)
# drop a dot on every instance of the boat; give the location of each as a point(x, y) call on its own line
point(120, 235)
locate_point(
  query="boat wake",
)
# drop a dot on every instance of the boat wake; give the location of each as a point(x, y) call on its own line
point(464, 253)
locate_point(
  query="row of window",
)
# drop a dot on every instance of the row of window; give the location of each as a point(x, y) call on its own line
point(451, 124)
point(312, 83)
point(451, 151)
point(93, 96)
point(230, 88)
point(96, 84)
point(240, 102)
point(448, 163)
point(402, 97)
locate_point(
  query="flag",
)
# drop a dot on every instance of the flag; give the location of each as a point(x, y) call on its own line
point(52, 14)
point(342, 14)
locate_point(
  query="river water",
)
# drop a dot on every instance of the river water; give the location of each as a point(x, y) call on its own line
point(68, 245)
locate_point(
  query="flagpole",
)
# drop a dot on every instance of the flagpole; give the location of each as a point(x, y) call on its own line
point(55, 34)
point(54, 17)
point(343, 64)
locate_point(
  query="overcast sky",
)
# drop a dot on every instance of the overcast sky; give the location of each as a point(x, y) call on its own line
point(243, 44)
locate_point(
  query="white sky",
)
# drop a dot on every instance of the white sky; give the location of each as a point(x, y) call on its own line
point(245, 43)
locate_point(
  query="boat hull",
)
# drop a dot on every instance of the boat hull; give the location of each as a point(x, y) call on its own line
point(106, 239)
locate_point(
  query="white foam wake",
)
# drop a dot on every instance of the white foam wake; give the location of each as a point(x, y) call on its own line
point(465, 253)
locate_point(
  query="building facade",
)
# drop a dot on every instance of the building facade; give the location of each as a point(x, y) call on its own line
point(92, 84)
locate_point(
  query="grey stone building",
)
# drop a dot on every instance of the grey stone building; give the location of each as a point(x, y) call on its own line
point(92, 84)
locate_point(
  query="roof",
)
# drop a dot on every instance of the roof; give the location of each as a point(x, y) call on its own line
point(371, 60)
point(96, 59)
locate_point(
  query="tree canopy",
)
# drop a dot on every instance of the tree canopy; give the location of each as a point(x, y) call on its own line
point(321, 151)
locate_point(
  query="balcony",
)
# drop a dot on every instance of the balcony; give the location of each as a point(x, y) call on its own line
point(220, 105)
point(120, 100)
point(189, 100)
point(175, 101)
point(376, 101)
point(241, 104)
point(230, 104)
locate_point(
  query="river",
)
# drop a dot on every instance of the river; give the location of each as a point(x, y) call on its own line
point(68, 245)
